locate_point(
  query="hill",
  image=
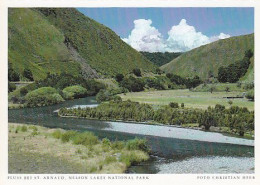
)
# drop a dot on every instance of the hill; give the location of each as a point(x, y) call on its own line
point(34, 44)
point(208, 58)
point(105, 51)
point(159, 58)
point(64, 40)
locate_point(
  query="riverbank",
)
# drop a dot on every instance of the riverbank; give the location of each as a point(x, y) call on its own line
point(192, 126)
point(36, 149)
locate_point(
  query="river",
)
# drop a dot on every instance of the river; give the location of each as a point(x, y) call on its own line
point(174, 150)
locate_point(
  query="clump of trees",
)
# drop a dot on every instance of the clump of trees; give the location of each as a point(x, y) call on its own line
point(73, 92)
point(42, 97)
point(27, 73)
point(63, 80)
point(109, 94)
point(132, 84)
point(188, 82)
point(238, 120)
point(233, 72)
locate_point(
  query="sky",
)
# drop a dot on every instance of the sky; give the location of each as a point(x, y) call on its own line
point(173, 29)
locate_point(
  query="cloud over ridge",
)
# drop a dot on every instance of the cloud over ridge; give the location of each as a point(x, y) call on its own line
point(181, 37)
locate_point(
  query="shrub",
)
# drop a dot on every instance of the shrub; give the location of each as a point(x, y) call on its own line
point(67, 136)
point(119, 145)
point(133, 84)
point(11, 87)
point(34, 133)
point(119, 77)
point(86, 138)
point(106, 142)
point(137, 72)
point(24, 128)
point(230, 102)
point(250, 95)
point(182, 105)
point(137, 144)
point(75, 91)
point(12, 74)
point(57, 134)
point(109, 159)
point(34, 128)
point(174, 105)
point(27, 73)
point(23, 91)
point(42, 97)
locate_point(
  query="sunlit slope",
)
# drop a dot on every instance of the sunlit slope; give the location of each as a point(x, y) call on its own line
point(35, 44)
point(96, 43)
point(210, 57)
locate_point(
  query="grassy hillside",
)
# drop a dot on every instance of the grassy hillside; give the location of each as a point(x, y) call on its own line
point(210, 57)
point(37, 45)
point(97, 44)
point(159, 58)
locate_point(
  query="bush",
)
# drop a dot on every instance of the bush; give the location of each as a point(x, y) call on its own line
point(182, 105)
point(86, 138)
point(119, 145)
point(137, 72)
point(75, 91)
point(12, 74)
point(133, 84)
point(23, 91)
point(27, 73)
point(24, 128)
point(67, 136)
point(57, 134)
point(109, 159)
point(119, 77)
point(137, 144)
point(250, 95)
point(174, 105)
point(11, 87)
point(42, 97)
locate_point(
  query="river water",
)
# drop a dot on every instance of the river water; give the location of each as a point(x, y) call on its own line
point(174, 150)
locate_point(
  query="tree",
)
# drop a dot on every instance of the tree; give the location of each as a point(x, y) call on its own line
point(137, 72)
point(227, 89)
point(12, 75)
point(27, 73)
point(174, 105)
point(119, 77)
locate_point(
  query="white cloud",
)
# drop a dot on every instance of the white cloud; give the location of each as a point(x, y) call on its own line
point(144, 37)
point(184, 37)
point(220, 36)
point(181, 37)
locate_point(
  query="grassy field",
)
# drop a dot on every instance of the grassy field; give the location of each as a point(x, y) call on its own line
point(34, 149)
point(190, 99)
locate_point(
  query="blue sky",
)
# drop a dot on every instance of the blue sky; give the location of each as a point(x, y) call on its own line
point(211, 22)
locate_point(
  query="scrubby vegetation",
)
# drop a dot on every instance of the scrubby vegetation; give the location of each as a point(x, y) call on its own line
point(250, 95)
point(70, 151)
point(75, 91)
point(67, 86)
point(42, 97)
point(238, 120)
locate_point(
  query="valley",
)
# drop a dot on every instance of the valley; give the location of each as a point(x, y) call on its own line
point(74, 77)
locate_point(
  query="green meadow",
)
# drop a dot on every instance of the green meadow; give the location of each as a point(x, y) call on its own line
point(190, 99)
